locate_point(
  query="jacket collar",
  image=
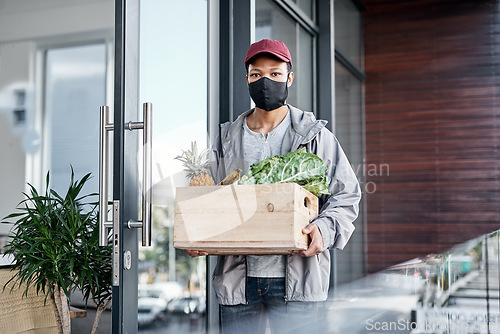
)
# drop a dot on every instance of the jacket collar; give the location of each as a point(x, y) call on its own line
point(304, 128)
point(303, 123)
point(230, 129)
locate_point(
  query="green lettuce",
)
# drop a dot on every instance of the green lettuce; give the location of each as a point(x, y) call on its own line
point(301, 167)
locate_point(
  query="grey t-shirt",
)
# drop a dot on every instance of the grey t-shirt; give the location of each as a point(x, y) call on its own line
point(257, 147)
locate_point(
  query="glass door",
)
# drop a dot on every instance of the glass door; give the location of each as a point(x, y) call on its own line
point(173, 76)
point(160, 58)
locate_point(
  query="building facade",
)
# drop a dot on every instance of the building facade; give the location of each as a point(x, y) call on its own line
point(432, 117)
point(408, 87)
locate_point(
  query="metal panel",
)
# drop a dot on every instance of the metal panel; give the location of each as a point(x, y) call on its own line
point(325, 54)
point(214, 110)
point(225, 61)
point(117, 142)
point(326, 83)
point(298, 15)
point(241, 42)
point(234, 42)
point(125, 167)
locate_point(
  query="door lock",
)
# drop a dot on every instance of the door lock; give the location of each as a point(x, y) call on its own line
point(127, 260)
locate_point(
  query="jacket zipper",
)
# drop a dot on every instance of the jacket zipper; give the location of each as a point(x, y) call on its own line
point(286, 279)
point(246, 280)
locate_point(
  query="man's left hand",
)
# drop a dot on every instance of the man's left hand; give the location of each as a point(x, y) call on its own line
point(316, 245)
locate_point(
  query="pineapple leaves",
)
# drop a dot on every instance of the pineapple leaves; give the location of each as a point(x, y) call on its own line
point(196, 165)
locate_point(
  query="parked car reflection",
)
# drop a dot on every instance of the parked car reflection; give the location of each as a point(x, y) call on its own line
point(153, 300)
point(151, 310)
point(187, 305)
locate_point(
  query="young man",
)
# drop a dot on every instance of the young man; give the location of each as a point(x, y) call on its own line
point(284, 290)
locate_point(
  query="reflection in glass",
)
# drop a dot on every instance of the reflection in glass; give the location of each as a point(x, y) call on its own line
point(349, 131)
point(271, 22)
point(173, 76)
point(348, 31)
point(304, 71)
point(307, 6)
point(75, 81)
point(452, 292)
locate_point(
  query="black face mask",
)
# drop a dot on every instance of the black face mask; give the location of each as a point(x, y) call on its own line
point(268, 94)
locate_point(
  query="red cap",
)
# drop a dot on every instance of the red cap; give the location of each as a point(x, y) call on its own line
point(276, 48)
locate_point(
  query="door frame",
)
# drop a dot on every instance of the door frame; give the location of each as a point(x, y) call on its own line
point(125, 166)
point(227, 97)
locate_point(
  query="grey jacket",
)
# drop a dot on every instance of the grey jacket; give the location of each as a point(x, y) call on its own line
point(307, 278)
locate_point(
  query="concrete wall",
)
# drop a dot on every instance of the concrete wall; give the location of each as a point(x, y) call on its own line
point(27, 27)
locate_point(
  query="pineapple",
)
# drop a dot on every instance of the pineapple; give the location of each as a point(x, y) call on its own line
point(196, 166)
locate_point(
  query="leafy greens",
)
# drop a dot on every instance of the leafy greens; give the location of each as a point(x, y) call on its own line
point(301, 167)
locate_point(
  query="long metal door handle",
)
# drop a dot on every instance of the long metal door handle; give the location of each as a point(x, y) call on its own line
point(147, 172)
point(147, 180)
point(104, 224)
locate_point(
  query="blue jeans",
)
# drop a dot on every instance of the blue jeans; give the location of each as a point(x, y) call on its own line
point(266, 302)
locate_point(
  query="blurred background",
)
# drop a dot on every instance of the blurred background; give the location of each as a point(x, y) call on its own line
point(409, 87)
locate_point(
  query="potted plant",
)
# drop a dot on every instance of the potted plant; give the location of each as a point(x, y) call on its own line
point(55, 247)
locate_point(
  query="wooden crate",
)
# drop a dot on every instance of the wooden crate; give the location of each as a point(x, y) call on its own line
point(243, 219)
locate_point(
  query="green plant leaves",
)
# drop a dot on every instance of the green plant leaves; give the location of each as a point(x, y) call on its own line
point(54, 243)
point(299, 166)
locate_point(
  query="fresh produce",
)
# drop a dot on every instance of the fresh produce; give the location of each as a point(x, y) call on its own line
point(231, 177)
point(301, 167)
point(196, 166)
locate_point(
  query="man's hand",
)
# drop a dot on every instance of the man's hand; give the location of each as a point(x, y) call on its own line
point(316, 245)
point(195, 253)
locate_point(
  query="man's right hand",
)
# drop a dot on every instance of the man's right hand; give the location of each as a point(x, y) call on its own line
point(195, 253)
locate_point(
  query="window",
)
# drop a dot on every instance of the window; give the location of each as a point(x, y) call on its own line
point(349, 127)
point(348, 31)
point(307, 6)
point(173, 76)
point(273, 22)
point(349, 130)
point(75, 87)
